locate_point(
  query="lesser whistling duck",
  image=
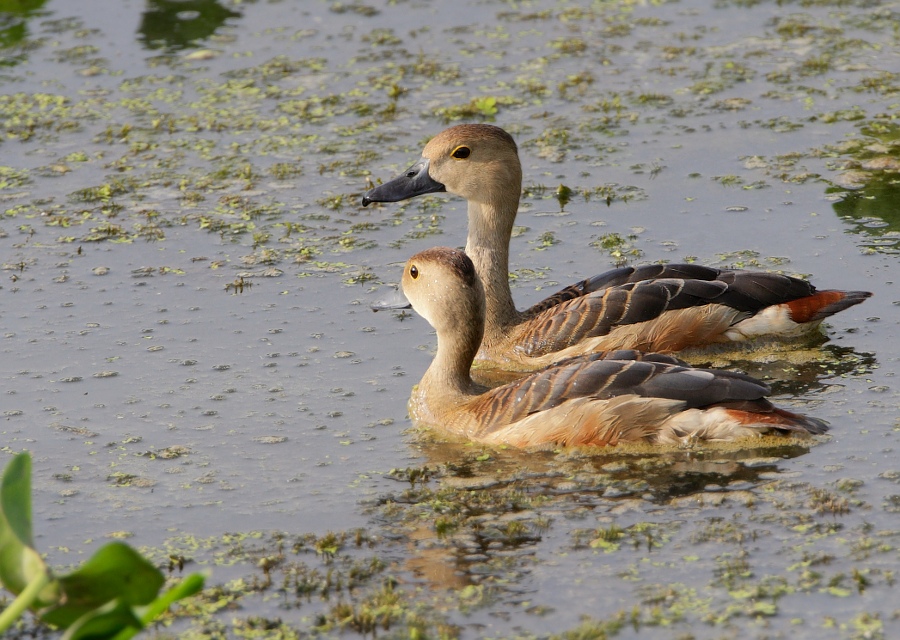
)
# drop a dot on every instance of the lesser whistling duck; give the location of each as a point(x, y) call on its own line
point(662, 308)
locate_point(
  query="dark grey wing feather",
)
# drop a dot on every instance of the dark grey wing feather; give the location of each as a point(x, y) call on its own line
point(754, 290)
point(624, 275)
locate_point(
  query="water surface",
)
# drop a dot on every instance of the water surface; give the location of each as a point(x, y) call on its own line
point(187, 348)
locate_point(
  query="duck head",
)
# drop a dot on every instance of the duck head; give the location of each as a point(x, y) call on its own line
point(442, 286)
point(479, 162)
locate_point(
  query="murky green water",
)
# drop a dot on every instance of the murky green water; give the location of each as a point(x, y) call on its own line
point(186, 346)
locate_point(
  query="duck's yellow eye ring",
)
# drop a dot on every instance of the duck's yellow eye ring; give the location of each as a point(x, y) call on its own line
point(461, 152)
point(413, 272)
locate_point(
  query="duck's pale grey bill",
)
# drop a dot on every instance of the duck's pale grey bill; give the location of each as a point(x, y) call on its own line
point(414, 182)
point(394, 301)
point(383, 306)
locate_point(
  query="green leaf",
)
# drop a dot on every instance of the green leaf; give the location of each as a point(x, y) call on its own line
point(114, 572)
point(102, 600)
point(20, 564)
point(15, 497)
point(187, 587)
point(104, 623)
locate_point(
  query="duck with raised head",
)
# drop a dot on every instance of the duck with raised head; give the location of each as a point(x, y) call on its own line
point(596, 400)
point(661, 308)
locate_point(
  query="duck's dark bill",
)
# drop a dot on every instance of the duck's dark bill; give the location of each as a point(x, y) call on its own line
point(414, 182)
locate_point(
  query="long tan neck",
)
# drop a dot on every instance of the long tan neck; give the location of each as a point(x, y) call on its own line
point(455, 352)
point(447, 384)
point(488, 246)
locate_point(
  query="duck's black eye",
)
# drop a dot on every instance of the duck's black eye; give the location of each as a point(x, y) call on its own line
point(413, 272)
point(460, 152)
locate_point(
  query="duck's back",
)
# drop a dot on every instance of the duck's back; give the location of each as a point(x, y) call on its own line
point(600, 402)
point(664, 308)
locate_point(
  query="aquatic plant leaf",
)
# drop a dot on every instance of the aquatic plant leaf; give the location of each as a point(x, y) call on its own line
point(101, 597)
point(103, 623)
point(184, 589)
point(19, 562)
point(15, 497)
point(116, 572)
